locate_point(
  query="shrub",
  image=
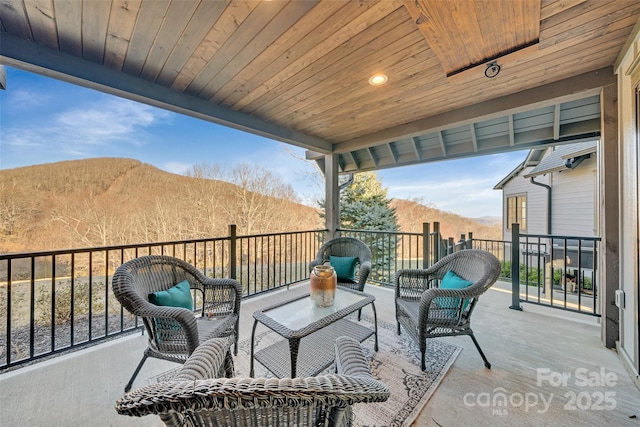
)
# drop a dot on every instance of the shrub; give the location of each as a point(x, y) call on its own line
point(63, 302)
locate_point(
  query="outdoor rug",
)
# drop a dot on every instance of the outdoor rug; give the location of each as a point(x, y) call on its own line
point(397, 364)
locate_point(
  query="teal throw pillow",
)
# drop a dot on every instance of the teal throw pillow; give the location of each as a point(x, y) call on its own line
point(345, 268)
point(452, 281)
point(177, 296)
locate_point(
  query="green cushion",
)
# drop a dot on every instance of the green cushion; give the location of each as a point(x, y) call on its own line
point(345, 268)
point(177, 296)
point(452, 281)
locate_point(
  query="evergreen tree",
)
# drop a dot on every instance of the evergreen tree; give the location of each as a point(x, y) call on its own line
point(364, 205)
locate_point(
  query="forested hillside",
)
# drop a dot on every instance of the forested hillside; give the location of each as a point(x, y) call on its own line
point(411, 215)
point(111, 201)
point(108, 201)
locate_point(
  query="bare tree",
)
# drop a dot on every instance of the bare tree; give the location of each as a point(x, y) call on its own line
point(16, 210)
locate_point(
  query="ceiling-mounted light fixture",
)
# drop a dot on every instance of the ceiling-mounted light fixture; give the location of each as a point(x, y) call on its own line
point(492, 69)
point(378, 79)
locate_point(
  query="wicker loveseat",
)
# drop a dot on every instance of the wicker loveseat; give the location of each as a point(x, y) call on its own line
point(197, 398)
point(426, 310)
point(175, 332)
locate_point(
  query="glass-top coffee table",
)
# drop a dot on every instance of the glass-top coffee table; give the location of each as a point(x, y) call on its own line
point(300, 318)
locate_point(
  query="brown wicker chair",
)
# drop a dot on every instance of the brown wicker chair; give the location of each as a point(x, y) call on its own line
point(427, 311)
point(174, 332)
point(346, 247)
point(196, 398)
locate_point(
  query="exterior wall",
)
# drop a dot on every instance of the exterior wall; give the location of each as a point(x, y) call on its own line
point(574, 200)
point(629, 178)
point(536, 204)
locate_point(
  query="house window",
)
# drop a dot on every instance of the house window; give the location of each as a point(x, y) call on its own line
point(517, 211)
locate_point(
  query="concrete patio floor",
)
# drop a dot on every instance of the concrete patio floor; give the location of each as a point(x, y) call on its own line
point(549, 368)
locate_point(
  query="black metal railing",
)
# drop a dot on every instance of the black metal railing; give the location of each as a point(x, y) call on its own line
point(55, 301)
point(551, 270)
point(392, 251)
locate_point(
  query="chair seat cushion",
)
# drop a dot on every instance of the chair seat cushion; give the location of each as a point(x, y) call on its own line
point(452, 281)
point(345, 267)
point(216, 327)
point(176, 296)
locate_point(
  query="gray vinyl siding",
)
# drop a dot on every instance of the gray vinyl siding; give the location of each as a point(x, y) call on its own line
point(573, 203)
point(536, 203)
point(573, 200)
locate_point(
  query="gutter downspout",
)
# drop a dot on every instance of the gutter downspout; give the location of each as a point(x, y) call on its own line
point(548, 187)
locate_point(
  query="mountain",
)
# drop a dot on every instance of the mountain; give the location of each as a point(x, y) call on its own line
point(112, 201)
point(489, 220)
point(411, 215)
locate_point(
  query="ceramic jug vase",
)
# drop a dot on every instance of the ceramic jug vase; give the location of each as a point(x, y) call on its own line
point(323, 284)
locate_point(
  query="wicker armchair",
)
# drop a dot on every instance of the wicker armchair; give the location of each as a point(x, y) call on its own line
point(174, 332)
point(195, 398)
point(427, 311)
point(346, 247)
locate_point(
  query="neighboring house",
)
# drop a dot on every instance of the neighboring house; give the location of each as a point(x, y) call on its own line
point(554, 192)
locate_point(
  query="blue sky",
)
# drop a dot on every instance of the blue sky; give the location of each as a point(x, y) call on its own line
point(43, 120)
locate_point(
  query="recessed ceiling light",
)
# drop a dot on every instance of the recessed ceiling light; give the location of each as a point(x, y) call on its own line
point(378, 79)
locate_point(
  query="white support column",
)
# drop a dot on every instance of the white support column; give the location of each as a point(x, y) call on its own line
point(332, 195)
point(608, 261)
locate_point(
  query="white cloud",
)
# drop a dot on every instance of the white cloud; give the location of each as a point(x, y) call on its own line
point(176, 167)
point(24, 99)
point(75, 131)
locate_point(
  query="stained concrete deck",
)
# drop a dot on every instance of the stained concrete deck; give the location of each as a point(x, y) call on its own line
point(530, 351)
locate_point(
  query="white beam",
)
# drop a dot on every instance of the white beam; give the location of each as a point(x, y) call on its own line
point(441, 140)
point(416, 147)
point(393, 155)
point(556, 121)
point(512, 137)
point(474, 138)
point(373, 157)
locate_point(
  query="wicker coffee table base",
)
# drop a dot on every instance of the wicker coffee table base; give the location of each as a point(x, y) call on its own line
point(316, 351)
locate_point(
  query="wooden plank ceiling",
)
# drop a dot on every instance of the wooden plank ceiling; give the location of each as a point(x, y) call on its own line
point(298, 71)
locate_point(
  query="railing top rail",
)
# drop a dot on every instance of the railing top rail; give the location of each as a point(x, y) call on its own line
point(397, 233)
point(284, 233)
point(107, 248)
point(555, 236)
point(16, 255)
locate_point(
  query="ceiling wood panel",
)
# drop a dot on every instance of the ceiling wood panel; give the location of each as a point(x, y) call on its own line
point(285, 18)
point(276, 54)
point(41, 17)
point(14, 19)
point(171, 30)
point(336, 36)
point(147, 24)
point(246, 31)
point(549, 8)
point(351, 63)
point(223, 28)
point(465, 33)
point(321, 98)
point(442, 100)
point(193, 35)
point(121, 25)
point(219, 38)
point(95, 21)
point(297, 71)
